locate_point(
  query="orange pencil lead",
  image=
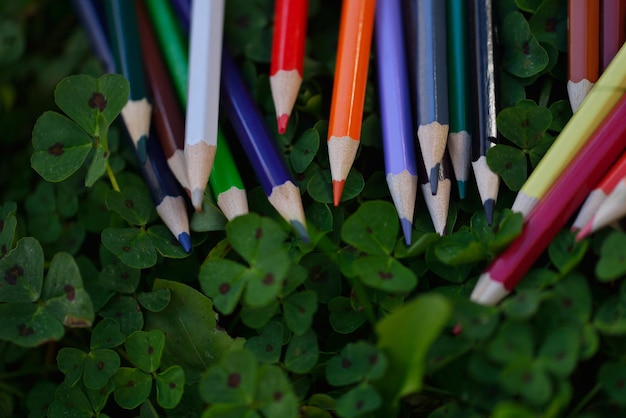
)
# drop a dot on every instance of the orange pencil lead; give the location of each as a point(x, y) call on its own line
point(337, 191)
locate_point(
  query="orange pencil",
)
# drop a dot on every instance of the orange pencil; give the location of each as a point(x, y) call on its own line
point(346, 109)
point(598, 195)
point(287, 63)
point(583, 48)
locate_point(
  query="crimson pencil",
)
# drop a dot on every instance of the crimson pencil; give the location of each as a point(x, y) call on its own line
point(549, 216)
point(612, 209)
point(287, 62)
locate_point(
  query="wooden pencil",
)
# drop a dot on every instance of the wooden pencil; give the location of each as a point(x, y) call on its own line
point(600, 193)
point(459, 136)
point(583, 49)
point(287, 62)
point(395, 108)
point(432, 85)
point(260, 148)
point(125, 44)
point(348, 97)
point(612, 209)
point(225, 181)
point(205, 45)
point(550, 214)
point(484, 101)
point(438, 203)
point(92, 25)
point(165, 192)
point(166, 112)
point(574, 135)
point(613, 24)
point(183, 11)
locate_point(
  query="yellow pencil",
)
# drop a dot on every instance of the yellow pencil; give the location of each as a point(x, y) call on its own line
point(600, 100)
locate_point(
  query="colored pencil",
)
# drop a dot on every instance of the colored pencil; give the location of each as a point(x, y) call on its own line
point(438, 203)
point(348, 97)
point(432, 85)
point(613, 26)
point(600, 193)
point(125, 44)
point(261, 149)
point(163, 187)
point(170, 127)
point(183, 11)
point(459, 136)
point(287, 62)
point(205, 45)
point(90, 21)
point(612, 209)
point(575, 134)
point(484, 102)
point(549, 216)
point(225, 181)
point(583, 49)
point(395, 108)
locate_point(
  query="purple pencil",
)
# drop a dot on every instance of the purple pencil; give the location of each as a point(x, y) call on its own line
point(261, 149)
point(395, 108)
point(92, 24)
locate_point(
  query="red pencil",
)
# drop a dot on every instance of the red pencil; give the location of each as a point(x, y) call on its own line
point(613, 29)
point(600, 193)
point(286, 67)
point(612, 209)
point(584, 49)
point(551, 213)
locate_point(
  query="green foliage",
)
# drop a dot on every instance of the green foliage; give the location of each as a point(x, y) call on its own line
point(102, 314)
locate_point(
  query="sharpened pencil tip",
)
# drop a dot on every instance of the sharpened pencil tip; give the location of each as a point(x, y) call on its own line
point(489, 206)
point(185, 241)
point(583, 232)
point(197, 196)
point(462, 189)
point(282, 121)
point(337, 191)
point(407, 229)
point(301, 230)
point(142, 149)
point(434, 178)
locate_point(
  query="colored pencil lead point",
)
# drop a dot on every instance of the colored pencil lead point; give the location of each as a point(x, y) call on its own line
point(301, 230)
point(142, 148)
point(337, 191)
point(462, 189)
point(407, 229)
point(197, 196)
point(185, 241)
point(434, 178)
point(584, 231)
point(489, 208)
point(282, 121)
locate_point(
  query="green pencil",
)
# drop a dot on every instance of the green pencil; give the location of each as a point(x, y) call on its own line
point(125, 43)
point(459, 137)
point(225, 181)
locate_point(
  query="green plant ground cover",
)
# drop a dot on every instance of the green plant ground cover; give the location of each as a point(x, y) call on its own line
point(102, 314)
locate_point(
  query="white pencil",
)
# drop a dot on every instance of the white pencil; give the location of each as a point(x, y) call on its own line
point(205, 52)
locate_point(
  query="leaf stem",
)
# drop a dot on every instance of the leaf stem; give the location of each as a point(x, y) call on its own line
point(584, 401)
point(111, 175)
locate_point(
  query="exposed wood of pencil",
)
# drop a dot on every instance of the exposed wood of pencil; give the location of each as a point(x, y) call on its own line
point(432, 85)
point(550, 214)
point(260, 148)
point(205, 45)
point(137, 113)
point(612, 209)
point(172, 39)
point(484, 102)
point(613, 26)
point(459, 138)
point(575, 134)
point(395, 110)
point(167, 116)
point(95, 32)
point(600, 193)
point(348, 97)
point(287, 63)
point(583, 49)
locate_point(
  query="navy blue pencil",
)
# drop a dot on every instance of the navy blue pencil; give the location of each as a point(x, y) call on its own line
point(88, 15)
point(183, 11)
point(261, 149)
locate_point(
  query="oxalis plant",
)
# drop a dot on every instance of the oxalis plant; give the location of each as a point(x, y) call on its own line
point(103, 314)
